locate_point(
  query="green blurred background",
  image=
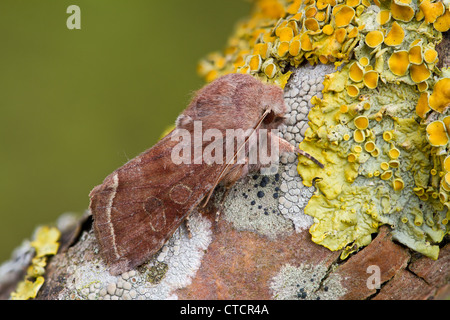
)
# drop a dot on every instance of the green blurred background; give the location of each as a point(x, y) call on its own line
point(77, 104)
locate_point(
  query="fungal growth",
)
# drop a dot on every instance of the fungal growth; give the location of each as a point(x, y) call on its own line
point(381, 125)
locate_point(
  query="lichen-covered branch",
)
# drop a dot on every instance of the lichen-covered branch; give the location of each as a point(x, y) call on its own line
point(372, 106)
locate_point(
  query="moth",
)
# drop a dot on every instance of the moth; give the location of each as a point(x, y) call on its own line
point(139, 206)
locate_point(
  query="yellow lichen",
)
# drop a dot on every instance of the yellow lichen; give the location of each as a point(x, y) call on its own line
point(399, 62)
point(370, 146)
point(312, 24)
point(371, 79)
point(398, 184)
point(431, 11)
point(393, 153)
point(364, 61)
point(352, 91)
point(383, 17)
point(430, 55)
point(359, 136)
point(423, 86)
point(27, 289)
point(374, 38)
point(328, 29)
point(384, 165)
point(415, 55)
point(356, 73)
point(344, 16)
point(422, 107)
point(45, 244)
point(419, 72)
point(440, 98)
point(387, 135)
point(395, 36)
point(437, 133)
point(386, 175)
point(442, 23)
point(340, 35)
point(446, 164)
point(361, 122)
point(402, 12)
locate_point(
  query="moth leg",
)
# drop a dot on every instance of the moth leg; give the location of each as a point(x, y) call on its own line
point(188, 227)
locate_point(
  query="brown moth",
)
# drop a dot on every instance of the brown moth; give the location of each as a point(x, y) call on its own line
point(139, 206)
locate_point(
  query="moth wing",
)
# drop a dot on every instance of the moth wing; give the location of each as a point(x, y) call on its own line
point(138, 207)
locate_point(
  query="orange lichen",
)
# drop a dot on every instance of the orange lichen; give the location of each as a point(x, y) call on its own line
point(371, 79)
point(255, 63)
point(343, 16)
point(419, 72)
point(340, 35)
point(431, 11)
point(294, 47)
point(352, 91)
point(369, 146)
point(422, 107)
point(270, 70)
point(353, 3)
point(374, 38)
point(353, 33)
point(306, 43)
point(293, 8)
point(383, 17)
point(310, 12)
point(271, 9)
point(364, 61)
point(422, 86)
point(440, 98)
point(356, 73)
point(283, 49)
point(399, 62)
point(442, 23)
point(446, 164)
point(402, 12)
point(395, 36)
point(328, 29)
point(437, 134)
point(361, 122)
point(312, 24)
point(286, 34)
point(359, 136)
point(415, 55)
point(398, 184)
point(430, 55)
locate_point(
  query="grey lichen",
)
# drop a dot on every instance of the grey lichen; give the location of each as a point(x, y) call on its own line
point(304, 83)
point(172, 268)
point(252, 205)
point(305, 282)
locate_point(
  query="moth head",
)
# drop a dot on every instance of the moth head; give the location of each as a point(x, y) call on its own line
point(272, 100)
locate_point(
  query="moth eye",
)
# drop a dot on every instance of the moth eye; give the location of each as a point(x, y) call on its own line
point(270, 117)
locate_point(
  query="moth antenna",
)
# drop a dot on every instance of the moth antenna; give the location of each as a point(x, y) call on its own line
point(310, 157)
point(222, 173)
